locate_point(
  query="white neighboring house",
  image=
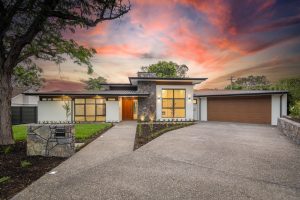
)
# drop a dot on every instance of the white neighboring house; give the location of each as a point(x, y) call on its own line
point(150, 98)
point(24, 107)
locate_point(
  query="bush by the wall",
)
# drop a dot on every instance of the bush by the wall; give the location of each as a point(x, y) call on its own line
point(295, 110)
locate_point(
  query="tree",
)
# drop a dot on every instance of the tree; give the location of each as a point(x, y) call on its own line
point(95, 83)
point(250, 83)
point(33, 29)
point(67, 108)
point(166, 69)
point(29, 76)
point(292, 85)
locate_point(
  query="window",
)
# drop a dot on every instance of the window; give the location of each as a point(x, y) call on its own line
point(173, 103)
point(59, 98)
point(89, 109)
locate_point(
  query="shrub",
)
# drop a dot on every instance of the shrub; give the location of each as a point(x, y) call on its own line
point(25, 163)
point(4, 179)
point(295, 110)
point(7, 150)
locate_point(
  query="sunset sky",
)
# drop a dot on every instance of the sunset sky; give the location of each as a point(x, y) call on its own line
point(214, 38)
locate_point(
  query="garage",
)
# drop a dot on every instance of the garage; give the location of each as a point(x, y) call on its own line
point(245, 109)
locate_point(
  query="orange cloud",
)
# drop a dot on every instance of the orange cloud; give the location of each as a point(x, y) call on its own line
point(122, 49)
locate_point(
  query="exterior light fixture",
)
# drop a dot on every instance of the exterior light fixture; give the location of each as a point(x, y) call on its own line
point(158, 98)
point(189, 97)
point(142, 118)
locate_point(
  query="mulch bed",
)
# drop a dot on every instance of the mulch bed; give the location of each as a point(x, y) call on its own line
point(147, 132)
point(21, 177)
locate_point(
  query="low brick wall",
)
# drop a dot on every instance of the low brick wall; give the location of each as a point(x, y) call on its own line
point(44, 140)
point(289, 128)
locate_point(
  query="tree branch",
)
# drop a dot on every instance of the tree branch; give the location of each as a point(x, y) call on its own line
point(25, 39)
point(88, 22)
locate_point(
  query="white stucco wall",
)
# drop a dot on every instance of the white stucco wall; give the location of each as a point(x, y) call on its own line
point(24, 100)
point(275, 114)
point(284, 105)
point(113, 111)
point(52, 111)
point(189, 100)
point(203, 108)
point(196, 109)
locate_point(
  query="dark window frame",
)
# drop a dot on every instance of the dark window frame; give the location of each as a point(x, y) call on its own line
point(84, 109)
point(173, 108)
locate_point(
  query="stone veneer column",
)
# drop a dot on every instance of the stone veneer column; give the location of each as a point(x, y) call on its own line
point(147, 105)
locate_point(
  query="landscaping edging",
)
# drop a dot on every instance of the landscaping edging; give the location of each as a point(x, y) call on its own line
point(146, 132)
point(289, 128)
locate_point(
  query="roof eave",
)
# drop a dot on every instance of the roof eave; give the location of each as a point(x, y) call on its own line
point(241, 94)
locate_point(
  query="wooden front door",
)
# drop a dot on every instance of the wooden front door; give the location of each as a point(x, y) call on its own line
point(127, 108)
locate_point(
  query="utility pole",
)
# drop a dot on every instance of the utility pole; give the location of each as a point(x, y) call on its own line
point(231, 79)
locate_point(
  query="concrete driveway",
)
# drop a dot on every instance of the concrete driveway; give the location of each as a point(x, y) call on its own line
point(203, 161)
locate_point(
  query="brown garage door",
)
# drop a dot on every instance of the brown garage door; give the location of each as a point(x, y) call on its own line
point(256, 109)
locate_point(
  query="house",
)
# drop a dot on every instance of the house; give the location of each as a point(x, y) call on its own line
point(24, 107)
point(150, 98)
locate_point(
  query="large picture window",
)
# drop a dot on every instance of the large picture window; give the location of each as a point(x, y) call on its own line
point(173, 103)
point(89, 109)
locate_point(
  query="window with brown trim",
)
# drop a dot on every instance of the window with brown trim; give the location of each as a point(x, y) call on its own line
point(89, 109)
point(173, 103)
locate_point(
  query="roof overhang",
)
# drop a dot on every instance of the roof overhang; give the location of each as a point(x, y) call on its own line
point(91, 94)
point(135, 80)
point(238, 93)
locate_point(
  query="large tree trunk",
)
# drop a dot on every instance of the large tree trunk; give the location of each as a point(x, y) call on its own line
point(6, 136)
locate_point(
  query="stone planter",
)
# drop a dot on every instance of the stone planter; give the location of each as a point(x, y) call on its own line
point(56, 140)
point(289, 128)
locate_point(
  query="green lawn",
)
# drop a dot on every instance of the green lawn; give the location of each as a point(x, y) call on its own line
point(82, 131)
point(20, 132)
point(85, 131)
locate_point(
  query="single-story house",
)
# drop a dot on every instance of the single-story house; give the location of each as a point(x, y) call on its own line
point(147, 97)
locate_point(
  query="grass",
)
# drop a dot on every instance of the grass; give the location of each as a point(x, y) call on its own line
point(85, 131)
point(82, 131)
point(4, 179)
point(20, 132)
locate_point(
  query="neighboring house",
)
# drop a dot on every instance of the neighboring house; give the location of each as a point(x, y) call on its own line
point(148, 97)
point(24, 107)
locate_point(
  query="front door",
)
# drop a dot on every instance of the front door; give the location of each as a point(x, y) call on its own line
point(127, 108)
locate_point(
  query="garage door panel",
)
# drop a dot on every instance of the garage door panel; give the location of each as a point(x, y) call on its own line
point(240, 109)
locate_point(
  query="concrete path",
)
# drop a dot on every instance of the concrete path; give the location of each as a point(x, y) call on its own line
point(117, 141)
point(203, 161)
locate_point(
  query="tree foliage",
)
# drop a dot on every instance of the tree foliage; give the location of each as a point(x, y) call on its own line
point(292, 85)
point(166, 69)
point(250, 83)
point(32, 30)
point(29, 76)
point(95, 83)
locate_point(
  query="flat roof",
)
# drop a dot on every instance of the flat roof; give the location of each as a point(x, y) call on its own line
point(133, 80)
point(205, 93)
point(91, 93)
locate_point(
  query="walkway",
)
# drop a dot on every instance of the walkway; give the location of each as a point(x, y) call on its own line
point(116, 142)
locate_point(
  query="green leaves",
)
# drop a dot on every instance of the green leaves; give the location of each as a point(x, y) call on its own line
point(29, 76)
point(295, 110)
point(95, 83)
point(166, 69)
point(250, 83)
